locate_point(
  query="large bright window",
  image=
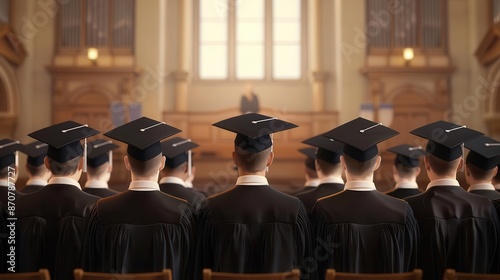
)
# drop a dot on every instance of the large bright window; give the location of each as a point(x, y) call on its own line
point(249, 39)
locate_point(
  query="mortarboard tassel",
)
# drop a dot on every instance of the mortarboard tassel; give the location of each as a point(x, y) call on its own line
point(85, 155)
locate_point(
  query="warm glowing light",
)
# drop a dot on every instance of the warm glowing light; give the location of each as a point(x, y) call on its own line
point(92, 54)
point(408, 54)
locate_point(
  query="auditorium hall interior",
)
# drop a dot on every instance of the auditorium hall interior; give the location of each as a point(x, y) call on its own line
point(191, 63)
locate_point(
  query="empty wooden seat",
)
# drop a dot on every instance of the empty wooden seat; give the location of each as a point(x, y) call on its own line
point(451, 274)
point(79, 274)
point(331, 274)
point(291, 275)
point(42, 274)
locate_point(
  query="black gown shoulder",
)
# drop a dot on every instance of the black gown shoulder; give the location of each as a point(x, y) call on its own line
point(100, 192)
point(364, 232)
point(459, 230)
point(402, 193)
point(50, 228)
point(309, 198)
point(252, 229)
point(489, 194)
point(194, 198)
point(153, 225)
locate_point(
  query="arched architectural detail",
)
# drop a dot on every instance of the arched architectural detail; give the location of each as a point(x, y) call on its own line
point(491, 88)
point(415, 92)
point(9, 99)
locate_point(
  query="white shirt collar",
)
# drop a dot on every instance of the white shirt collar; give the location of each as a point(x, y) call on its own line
point(64, 181)
point(331, 180)
point(360, 186)
point(252, 180)
point(172, 180)
point(188, 185)
point(143, 185)
point(406, 185)
point(443, 182)
point(482, 186)
point(312, 183)
point(36, 182)
point(96, 184)
point(4, 183)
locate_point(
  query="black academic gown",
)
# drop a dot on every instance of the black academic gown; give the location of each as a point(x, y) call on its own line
point(195, 199)
point(140, 231)
point(490, 194)
point(458, 230)
point(252, 229)
point(50, 228)
point(31, 188)
point(309, 198)
point(4, 233)
point(100, 192)
point(33, 185)
point(364, 232)
point(303, 190)
point(4, 195)
point(402, 193)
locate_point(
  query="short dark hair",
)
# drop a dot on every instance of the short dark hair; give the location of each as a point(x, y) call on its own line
point(359, 168)
point(64, 169)
point(97, 171)
point(405, 171)
point(328, 168)
point(251, 162)
point(35, 171)
point(145, 168)
point(496, 179)
point(480, 174)
point(179, 168)
point(442, 167)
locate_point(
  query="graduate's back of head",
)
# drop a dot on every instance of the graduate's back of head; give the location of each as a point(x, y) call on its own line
point(64, 169)
point(480, 174)
point(496, 179)
point(329, 169)
point(406, 171)
point(251, 162)
point(442, 167)
point(145, 168)
point(360, 168)
point(36, 171)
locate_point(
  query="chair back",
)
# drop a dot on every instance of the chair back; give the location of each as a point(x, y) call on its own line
point(42, 274)
point(451, 274)
point(79, 274)
point(331, 274)
point(290, 275)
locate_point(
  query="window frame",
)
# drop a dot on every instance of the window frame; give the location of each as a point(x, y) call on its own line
point(419, 49)
point(268, 45)
point(106, 50)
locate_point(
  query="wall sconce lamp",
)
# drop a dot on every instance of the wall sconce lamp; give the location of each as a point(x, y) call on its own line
point(93, 55)
point(408, 55)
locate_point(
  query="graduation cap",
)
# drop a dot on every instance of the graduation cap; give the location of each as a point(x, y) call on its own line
point(484, 153)
point(445, 139)
point(253, 130)
point(100, 152)
point(64, 140)
point(8, 152)
point(178, 151)
point(36, 152)
point(310, 154)
point(143, 137)
point(328, 150)
point(361, 137)
point(407, 155)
